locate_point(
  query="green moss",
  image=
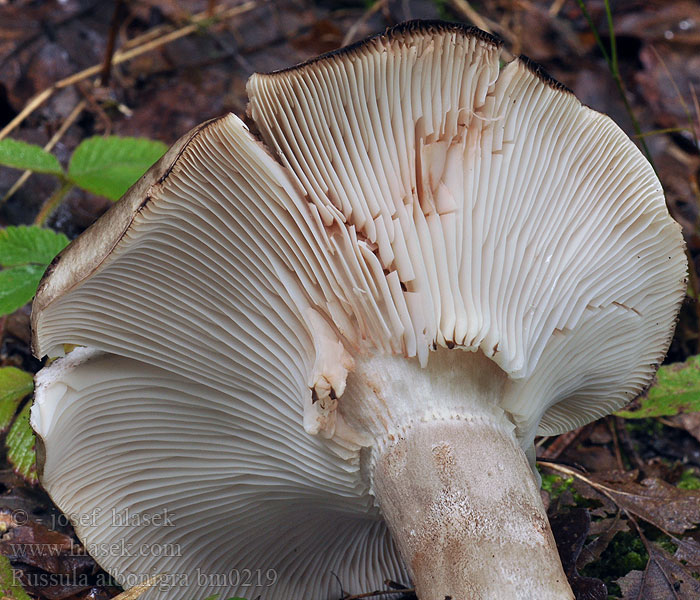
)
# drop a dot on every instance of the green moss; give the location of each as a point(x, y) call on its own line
point(625, 553)
point(644, 427)
point(689, 480)
point(556, 485)
point(665, 542)
point(443, 9)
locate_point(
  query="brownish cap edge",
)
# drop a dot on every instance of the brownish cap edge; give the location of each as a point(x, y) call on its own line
point(541, 73)
point(84, 255)
point(397, 32)
point(418, 27)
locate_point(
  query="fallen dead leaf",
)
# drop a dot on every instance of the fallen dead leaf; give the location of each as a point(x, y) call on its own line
point(605, 529)
point(570, 531)
point(664, 577)
point(671, 509)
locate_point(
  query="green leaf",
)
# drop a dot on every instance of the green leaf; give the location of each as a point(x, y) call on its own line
point(109, 166)
point(20, 446)
point(677, 390)
point(15, 385)
point(26, 251)
point(29, 245)
point(18, 286)
point(10, 587)
point(20, 155)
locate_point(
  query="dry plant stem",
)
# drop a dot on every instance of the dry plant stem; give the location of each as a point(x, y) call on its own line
point(52, 203)
point(466, 9)
point(612, 427)
point(694, 282)
point(70, 119)
point(350, 35)
point(484, 23)
point(613, 65)
point(109, 52)
point(563, 442)
point(120, 57)
point(380, 593)
point(626, 443)
point(463, 506)
point(556, 7)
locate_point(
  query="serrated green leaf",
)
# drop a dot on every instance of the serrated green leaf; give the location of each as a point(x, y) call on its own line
point(109, 166)
point(20, 446)
point(10, 587)
point(25, 252)
point(677, 390)
point(29, 245)
point(17, 286)
point(20, 155)
point(15, 385)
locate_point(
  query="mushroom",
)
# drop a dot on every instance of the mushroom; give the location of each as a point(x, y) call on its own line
point(315, 350)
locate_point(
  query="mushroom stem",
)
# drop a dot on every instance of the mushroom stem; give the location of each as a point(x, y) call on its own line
point(463, 506)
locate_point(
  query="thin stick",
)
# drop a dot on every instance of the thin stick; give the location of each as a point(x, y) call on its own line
point(662, 131)
point(562, 442)
point(556, 7)
point(682, 101)
point(380, 593)
point(612, 426)
point(349, 36)
point(70, 119)
point(109, 52)
point(52, 203)
point(613, 40)
point(466, 9)
point(120, 57)
point(613, 65)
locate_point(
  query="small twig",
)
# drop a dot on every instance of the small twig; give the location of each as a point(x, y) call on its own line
point(613, 40)
point(70, 119)
point(52, 203)
point(556, 7)
point(694, 282)
point(350, 35)
point(613, 65)
point(380, 593)
point(120, 57)
point(562, 443)
point(647, 546)
point(95, 107)
point(612, 426)
point(626, 442)
point(661, 131)
point(682, 101)
point(468, 11)
point(696, 105)
point(606, 491)
point(111, 39)
point(140, 589)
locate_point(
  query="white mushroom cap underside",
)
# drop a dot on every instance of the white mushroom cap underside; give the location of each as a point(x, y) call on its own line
point(166, 475)
point(191, 394)
point(518, 221)
point(442, 200)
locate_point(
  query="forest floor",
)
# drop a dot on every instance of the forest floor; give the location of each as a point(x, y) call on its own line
point(614, 488)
